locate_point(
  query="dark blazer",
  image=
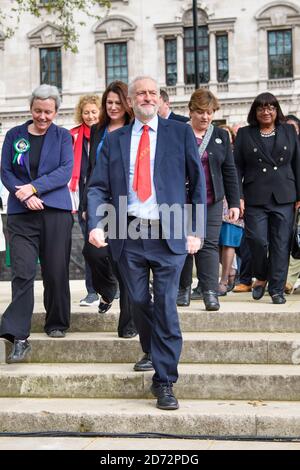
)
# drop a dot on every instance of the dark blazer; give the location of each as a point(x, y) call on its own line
point(176, 159)
point(54, 172)
point(262, 175)
point(95, 139)
point(222, 168)
point(178, 117)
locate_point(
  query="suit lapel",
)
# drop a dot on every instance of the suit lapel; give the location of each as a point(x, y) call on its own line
point(23, 133)
point(259, 144)
point(48, 144)
point(125, 140)
point(280, 140)
point(162, 138)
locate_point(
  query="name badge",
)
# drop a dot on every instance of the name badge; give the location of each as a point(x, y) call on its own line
point(218, 141)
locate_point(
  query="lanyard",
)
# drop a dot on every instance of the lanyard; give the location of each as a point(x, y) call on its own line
point(101, 144)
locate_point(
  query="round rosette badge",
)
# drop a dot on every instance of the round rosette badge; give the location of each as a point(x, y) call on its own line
point(21, 146)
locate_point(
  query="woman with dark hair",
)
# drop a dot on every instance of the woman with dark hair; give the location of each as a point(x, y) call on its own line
point(115, 113)
point(267, 155)
point(87, 114)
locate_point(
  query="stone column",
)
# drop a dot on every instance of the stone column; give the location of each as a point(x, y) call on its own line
point(131, 59)
point(34, 67)
point(2, 81)
point(180, 65)
point(262, 60)
point(231, 58)
point(212, 62)
point(296, 58)
point(100, 66)
point(161, 65)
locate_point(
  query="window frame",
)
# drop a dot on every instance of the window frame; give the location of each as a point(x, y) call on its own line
point(106, 46)
point(191, 49)
point(58, 70)
point(270, 31)
point(169, 40)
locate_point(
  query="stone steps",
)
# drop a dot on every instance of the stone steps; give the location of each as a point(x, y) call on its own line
point(197, 381)
point(191, 319)
point(195, 417)
point(201, 347)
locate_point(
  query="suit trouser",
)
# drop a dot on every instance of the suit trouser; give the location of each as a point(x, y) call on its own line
point(45, 234)
point(207, 259)
point(244, 253)
point(268, 231)
point(88, 273)
point(105, 273)
point(161, 336)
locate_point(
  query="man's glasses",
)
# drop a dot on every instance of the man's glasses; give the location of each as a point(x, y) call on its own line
point(269, 108)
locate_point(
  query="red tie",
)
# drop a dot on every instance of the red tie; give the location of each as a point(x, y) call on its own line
point(142, 176)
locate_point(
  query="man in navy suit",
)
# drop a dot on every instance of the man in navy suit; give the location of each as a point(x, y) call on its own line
point(145, 238)
point(164, 108)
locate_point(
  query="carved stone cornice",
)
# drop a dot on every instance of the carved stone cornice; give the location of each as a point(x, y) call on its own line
point(221, 24)
point(46, 34)
point(169, 29)
point(116, 28)
point(278, 14)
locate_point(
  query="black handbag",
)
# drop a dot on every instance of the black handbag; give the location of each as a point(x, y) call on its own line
point(295, 248)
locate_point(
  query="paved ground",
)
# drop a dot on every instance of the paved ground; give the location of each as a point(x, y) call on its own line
point(228, 303)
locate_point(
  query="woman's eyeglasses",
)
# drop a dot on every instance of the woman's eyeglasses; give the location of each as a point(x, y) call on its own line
point(269, 108)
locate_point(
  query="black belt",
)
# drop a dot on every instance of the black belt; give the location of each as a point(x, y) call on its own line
point(143, 222)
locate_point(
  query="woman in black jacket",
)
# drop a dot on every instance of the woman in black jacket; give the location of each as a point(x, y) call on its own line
point(267, 155)
point(221, 179)
point(115, 113)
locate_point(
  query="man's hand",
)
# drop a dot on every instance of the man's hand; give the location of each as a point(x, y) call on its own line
point(297, 205)
point(24, 191)
point(242, 207)
point(193, 244)
point(96, 238)
point(233, 214)
point(34, 203)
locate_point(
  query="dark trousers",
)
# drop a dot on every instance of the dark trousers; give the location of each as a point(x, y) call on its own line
point(158, 324)
point(88, 273)
point(207, 259)
point(45, 234)
point(245, 269)
point(105, 274)
point(268, 231)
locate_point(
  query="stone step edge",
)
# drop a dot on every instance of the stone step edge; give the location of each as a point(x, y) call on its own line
point(194, 417)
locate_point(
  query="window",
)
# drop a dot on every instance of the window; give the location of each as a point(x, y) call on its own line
point(50, 66)
point(116, 62)
point(280, 54)
point(171, 61)
point(203, 54)
point(222, 58)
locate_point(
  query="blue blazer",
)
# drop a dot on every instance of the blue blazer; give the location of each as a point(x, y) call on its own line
point(176, 162)
point(54, 172)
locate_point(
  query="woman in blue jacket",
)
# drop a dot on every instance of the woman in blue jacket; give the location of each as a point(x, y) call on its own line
point(36, 166)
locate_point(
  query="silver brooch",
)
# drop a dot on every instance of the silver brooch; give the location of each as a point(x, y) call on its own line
point(218, 141)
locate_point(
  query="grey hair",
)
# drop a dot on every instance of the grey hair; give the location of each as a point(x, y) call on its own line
point(43, 92)
point(137, 79)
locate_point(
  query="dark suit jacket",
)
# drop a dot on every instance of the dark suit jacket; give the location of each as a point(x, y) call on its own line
point(176, 159)
point(95, 139)
point(261, 175)
point(178, 117)
point(54, 172)
point(222, 168)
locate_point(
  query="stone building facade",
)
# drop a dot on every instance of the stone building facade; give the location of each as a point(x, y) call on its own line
point(244, 48)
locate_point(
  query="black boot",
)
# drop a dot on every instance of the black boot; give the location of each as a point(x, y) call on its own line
point(184, 296)
point(211, 301)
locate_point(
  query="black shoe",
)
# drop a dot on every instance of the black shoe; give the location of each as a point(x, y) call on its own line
point(166, 399)
point(144, 364)
point(278, 299)
point(258, 291)
point(104, 307)
point(20, 350)
point(211, 301)
point(130, 333)
point(197, 293)
point(184, 296)
point(56, 334)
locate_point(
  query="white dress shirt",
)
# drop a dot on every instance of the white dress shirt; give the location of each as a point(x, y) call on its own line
point(149, 208)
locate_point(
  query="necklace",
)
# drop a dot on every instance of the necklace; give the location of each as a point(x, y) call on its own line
point(268, 134)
